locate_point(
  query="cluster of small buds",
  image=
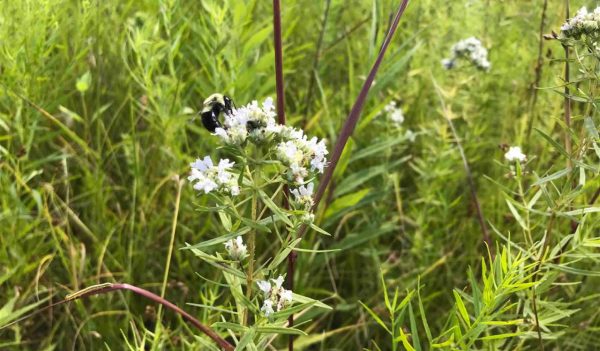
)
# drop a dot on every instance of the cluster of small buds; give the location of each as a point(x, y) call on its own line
point(470, 49)
point(236, 248)
point(394, 112)
point(250, 121)
point(208, 177)
point(514, 153)
point(584, 23)
point(275, 296)
point(301, 155)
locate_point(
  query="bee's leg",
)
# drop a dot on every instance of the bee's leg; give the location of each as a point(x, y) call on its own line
point(229, 105)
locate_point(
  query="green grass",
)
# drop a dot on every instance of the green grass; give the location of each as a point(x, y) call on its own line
point(96, 107)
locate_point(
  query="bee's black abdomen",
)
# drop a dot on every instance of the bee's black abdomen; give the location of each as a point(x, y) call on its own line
point(210, 120)
point(213, 107)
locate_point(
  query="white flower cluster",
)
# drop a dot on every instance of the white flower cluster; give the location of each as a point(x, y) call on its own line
point(250, 121)
point(514, 153)
point(394, 112)
point(303, 200)
point(303, 196)
point(396, 115)
point(301, 155)
point(236, 248)
point(276, 297)
point(584, 22)
point(471, 50)
point(209, 177)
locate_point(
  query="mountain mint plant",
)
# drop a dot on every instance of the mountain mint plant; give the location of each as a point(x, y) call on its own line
point(269, 158)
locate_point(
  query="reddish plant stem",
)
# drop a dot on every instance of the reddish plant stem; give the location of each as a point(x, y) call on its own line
point(280, 87)
point(151, 296)
point(345, 134)
point(110, 287)
point(354, 114)
point(278, 61)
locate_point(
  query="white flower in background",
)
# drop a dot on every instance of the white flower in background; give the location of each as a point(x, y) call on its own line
point(394, 112)
point(448, 63)
point(514, 153)
point(304, 195)
point(275, 295)
point(583, 23)
point(471, 50)
point(410, 135)
point(236, 248)
point(208, 177)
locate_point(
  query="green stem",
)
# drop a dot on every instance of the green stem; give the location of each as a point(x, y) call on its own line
point(251, 250)
point(251, 242)
point(169, 255)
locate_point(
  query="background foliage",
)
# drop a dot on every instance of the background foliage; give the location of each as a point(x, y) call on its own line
point(86, 180)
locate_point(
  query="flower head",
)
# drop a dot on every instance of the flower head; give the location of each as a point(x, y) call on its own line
point(300, 154)
point(394, 112)
point(583, 23)
point(514, 153)
point(208, 177)
point(249, 122)
point(275, 295)
point(303, 196)
point(470, 50)
point(236, 248)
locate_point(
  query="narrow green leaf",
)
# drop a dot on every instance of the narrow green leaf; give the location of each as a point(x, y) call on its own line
point(376, 317)
point(501, 336)
point(267, 329)
point(461, 308)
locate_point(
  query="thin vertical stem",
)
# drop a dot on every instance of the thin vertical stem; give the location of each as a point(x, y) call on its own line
point(251, 250)
point(169, 255)
point(280, 87)
point(278, 62)
point(568, 146)
point(470, 180)
point(538, 71)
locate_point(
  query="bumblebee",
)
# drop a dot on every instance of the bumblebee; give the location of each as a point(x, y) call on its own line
point(213, 106)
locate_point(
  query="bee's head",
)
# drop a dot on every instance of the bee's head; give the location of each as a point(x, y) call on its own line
point(214, 99)
point(222, 102)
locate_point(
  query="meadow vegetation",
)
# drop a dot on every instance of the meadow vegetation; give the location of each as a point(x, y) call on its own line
point(427, 237)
